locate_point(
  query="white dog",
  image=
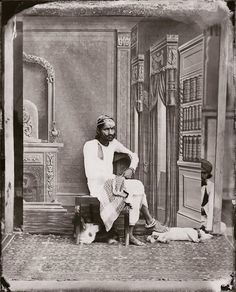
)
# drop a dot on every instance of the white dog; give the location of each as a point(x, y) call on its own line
point(179, 233)
point(88, 235)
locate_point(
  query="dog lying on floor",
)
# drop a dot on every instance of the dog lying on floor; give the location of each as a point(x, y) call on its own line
point(83, 232)
point(88, 234)
point(179, 233)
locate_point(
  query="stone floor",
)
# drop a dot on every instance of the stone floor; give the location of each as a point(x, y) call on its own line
point(57, 258)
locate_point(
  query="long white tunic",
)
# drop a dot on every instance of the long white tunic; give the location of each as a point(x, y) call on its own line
point(207, 220)
point(98, 171)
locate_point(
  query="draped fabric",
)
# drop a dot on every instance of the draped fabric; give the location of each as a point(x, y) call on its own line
point(153, 158)
point(157, 89)
point(134, 91)
point(157, 94)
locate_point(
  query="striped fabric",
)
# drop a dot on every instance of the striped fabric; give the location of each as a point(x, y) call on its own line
point(110, 205)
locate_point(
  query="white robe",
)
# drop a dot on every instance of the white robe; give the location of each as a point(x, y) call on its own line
point(98, 171)
point(207, 220)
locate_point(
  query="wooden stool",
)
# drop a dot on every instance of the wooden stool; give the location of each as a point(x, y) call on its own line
point(92, 201)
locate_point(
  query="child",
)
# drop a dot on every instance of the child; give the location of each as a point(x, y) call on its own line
point(207, 196)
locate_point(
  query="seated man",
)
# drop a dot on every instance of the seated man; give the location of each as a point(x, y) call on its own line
point(103, 184)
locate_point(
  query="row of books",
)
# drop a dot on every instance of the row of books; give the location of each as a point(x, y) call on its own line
point(192, 118)
point(192, 89)
point(192, 148)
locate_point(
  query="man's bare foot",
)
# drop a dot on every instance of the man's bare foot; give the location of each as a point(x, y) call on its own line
point(156, 226)
point(135, 241)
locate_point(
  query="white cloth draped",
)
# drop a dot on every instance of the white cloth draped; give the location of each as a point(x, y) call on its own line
point(207, 220)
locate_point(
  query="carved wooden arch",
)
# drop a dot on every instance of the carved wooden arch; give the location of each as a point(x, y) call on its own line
point(27, 58)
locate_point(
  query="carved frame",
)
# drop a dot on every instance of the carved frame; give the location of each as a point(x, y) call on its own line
point(52, 131)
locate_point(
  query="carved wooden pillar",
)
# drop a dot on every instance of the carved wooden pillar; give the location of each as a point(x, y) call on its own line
point(171, 130)
point(137, 84)
point(163, 89)
point(123, 87)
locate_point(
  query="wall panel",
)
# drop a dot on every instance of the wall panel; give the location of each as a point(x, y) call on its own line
point(84, 64)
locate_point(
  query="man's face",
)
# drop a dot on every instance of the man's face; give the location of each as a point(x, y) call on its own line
point(107, 133)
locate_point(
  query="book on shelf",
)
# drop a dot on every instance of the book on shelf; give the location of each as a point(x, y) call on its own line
point(192, 89)
point(186, 90)
point(199, 142)
point(192, 148)
point(199, 87)
point(186, 122)
point(199, 116)
point(184, 118)
point(197, 113)
point(192, 118)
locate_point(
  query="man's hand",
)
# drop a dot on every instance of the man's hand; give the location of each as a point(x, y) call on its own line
point(128, 173)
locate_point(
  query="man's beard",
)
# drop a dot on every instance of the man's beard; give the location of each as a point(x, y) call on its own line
point(105, 138)
point(110, 137)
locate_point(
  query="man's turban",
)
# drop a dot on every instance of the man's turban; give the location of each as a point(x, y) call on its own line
point(101, 119)
point(206, 166)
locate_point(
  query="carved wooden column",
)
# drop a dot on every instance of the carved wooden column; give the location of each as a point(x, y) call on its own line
point(123, 87)
point(137, 84)
point(163, 71)
point(172, 129)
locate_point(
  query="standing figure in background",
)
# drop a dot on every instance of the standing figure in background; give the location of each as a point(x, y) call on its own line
point(207, 196)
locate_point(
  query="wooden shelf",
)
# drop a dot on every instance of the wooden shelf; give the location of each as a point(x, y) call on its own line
point(189, 164)
point(193, 102)
point(191, 132)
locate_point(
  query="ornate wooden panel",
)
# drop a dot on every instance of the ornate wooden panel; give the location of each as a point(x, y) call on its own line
point(190, 131)
point(40, 171)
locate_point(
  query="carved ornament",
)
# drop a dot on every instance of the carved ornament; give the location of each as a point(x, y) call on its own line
point(54, 133)
point(134, 73)
point(42, 62)
point(172, 38)
point(27, 124)
point(137, 70)
point(172, 56)
point(33, 183)
point(157, 61)
point(137, 80)
point(33, 158)
point(123, 39)
point(50, 174)
point(134, 36)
